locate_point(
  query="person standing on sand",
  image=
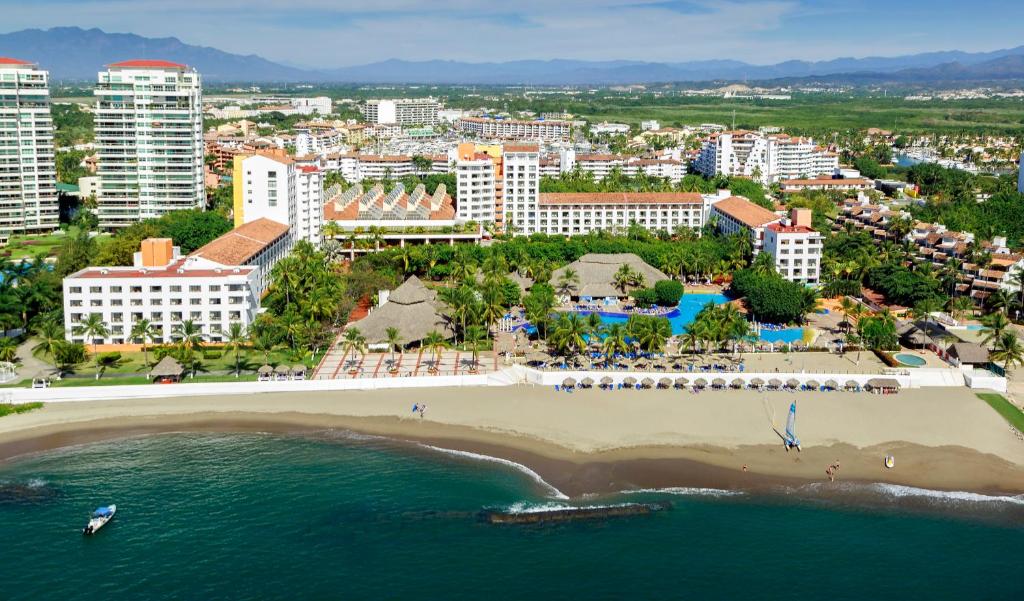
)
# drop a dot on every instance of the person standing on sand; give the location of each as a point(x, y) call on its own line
point(423, 409)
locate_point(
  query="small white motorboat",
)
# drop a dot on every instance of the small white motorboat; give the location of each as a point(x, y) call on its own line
point(99, 519)
point(890, 462)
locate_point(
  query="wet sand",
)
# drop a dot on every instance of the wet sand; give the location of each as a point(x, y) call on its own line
point(596, 441)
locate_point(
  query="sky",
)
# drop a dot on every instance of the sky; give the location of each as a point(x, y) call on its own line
point(334, 33)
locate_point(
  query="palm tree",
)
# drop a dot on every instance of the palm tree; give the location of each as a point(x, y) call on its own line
point(394, 340)
point(996, 325)
point(50, 334)
point(809, 302)
point(925, 308)
point(234, 338)
point(568, 280)
point(264, 340)
point(959, 306)
point(846, 305)
point(190, 338)
point(145, 331)
point(475, 335)
point(354, 342)
point(570, 330)
point(1008, 351)
point(434, 342)
point(614, 340)
point(652, 333)
point(93, 327)
point(8, 349)
point(998, 300)
point(623, 278)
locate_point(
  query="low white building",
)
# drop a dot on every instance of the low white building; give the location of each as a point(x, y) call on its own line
point(574, 214)
point(609, 128)
point(651, 125)
point(215, 286)
point(767, 158)
point(513, 129)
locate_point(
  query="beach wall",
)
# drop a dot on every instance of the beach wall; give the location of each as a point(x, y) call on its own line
point(509, 376)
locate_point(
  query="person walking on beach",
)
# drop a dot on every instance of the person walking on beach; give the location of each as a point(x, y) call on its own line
point(423, 409)
point(830, 474)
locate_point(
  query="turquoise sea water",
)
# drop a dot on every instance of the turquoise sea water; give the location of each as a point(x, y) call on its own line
point(260, 516)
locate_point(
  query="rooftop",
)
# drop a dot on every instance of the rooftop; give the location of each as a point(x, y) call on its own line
point(4, 60)
point(745, 212)
point(241, 244)
point(146, 64)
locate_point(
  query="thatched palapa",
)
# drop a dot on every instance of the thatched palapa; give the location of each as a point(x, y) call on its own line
point(413, 309)
point(596, 274)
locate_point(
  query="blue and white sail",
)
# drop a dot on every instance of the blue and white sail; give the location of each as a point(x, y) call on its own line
point(791, 438)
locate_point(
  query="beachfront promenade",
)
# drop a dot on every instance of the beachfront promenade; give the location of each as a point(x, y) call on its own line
point(518, 375)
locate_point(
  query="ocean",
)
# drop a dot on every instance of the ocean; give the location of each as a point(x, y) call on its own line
point(341, 516)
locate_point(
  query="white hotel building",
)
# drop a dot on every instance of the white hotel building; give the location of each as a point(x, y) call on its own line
point(271, 186)
point(512, 129)
point(575, 214)
point(475, 179)
point(521, 166)
point(217, 285)
point(28, 178)
point(401, 111)
point(767, 158)
point(149, 140)
point(796, 248)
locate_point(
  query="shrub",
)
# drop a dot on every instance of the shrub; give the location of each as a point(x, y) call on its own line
point(210, 355)
point(644, 297)
point(668, 292)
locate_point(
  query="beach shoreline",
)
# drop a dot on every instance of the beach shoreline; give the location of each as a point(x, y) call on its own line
point(619, 442)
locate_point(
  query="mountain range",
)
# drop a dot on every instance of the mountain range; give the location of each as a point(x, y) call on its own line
point(72, 53)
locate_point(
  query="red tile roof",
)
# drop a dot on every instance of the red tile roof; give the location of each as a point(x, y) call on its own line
point(242, 243)
point(147, 63)
point(169, 271)
point(12, 61)
point(745, 212)
point(790, 229)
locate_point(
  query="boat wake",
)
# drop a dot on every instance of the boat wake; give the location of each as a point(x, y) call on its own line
point(551, 490)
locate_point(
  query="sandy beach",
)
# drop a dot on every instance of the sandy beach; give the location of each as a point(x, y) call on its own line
point(600, 441)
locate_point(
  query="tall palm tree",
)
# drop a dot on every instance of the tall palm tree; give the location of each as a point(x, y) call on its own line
point(8, 349)
point(623, 278)
point(924, 309)
point(50, 334)
point(394, 340)
point(846, 305)
point(93, 327)
point(235, 337)
point(614, 340)
point(960, 306)
point(570, 332)
point(434, 342)
point(1008, 351)
point(568, 280)
point(264, 340)
point(145, 331)
point(190, 339)
point(354, 342)
point(475, 335)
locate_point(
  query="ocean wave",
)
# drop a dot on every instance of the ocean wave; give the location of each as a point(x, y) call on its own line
point(552, 491)
point(37, 483)
point(956, 496)
point(528, 507)
point(685, 491)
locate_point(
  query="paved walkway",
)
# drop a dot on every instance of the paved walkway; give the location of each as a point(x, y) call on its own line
point(28, 365)
point(338, 365)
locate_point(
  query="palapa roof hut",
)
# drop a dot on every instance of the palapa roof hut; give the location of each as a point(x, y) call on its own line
point(665, 383)
point(167, 369)
point(681, 382)
point(968, 353)
point(596, 274)
point(647, 382)
point(413, 309)
point(607, 381)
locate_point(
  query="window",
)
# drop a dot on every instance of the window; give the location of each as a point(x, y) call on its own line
point(95, 289)
point(75, 290)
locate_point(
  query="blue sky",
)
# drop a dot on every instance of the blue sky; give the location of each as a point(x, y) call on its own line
point(330, 33)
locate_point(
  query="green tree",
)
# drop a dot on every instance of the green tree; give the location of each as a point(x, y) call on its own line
point(92, 328)
point(144, 331)
point(235, 337)
point(394, 340)
point(1008, 351)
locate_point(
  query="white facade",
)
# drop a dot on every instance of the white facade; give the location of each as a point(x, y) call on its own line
point(310, 205)
point(766, 158)
point(401, 111)
point(28, 177)
point(149, 139)
point(521, 166)
point(572, 214)
point(736, 215)
point(511, 129)
point(601, 165)
point(274, 187)
point(651, 125)
point(796, 250)
point(609, 128)
point(474, 179)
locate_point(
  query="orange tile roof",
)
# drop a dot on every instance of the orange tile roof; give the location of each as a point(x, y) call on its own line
point(147, 63)
point(745, 212)
point(556, 198)
point(242, 243)
point(790, 229)
point(520, 148)
point(12, 61)
point(824, 181)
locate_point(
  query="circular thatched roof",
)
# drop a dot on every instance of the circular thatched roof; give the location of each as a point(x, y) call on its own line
point(607, 380)
point(569, 382)
point(587, 381)
point(664, 383)
point(629, 381)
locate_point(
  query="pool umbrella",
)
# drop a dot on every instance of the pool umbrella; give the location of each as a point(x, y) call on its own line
point(758, 382)
point(681, 382)
point(629, 381)
point(738, 383)
point(793, 383)
point(718, 382)
point(569, 383)
point(587, 382)
point(700, 382)
point(647, 382)
point(831, 384)
point(607, 381)
point(775, 383)
point(813, 384)
point(665, 383)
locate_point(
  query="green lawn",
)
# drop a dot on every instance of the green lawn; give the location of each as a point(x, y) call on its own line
point(1005, 408)
point(20, 408)
point(133, 363)
point(121, 380)
point(28, 246)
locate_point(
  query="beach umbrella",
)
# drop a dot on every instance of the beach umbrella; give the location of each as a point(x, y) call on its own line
point(588, 382)
point(775, 383)
point(813, 384)
point(757, 382)
point(665, 383)
point(607, 381)
point(569, 383)
point(832, 384)
point(681, 382)
point(647, 382)
point(852, 385)
point(700, 382)
point(718, 382)
point(738, 383)
point(629, 381)
point(793, 383)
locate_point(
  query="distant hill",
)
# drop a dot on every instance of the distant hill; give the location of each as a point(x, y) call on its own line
point(75, 53)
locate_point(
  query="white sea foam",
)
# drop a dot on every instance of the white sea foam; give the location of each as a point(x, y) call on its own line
point(527, 507)
point(900, 491)
point(552, 491)
point(36, 483)
point(685, 491)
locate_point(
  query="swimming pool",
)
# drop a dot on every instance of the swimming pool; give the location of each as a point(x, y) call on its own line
point(691, 304)
point(910, 360)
